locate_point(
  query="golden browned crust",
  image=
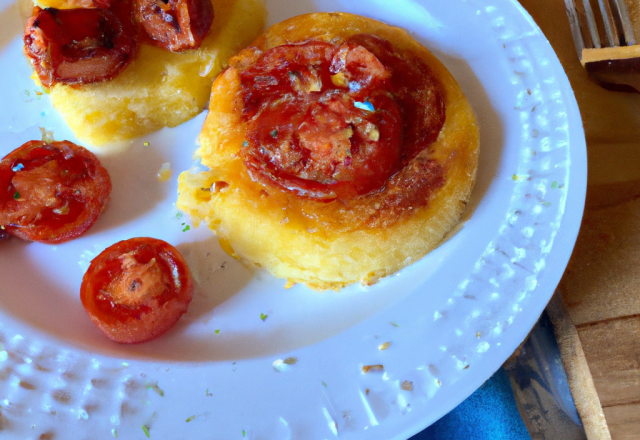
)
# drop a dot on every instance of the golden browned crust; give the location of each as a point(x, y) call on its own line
point(294, 237)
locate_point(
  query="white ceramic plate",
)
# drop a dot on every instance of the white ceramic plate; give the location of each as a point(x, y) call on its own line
point(451, 319)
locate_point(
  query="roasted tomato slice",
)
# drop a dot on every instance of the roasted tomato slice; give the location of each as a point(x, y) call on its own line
point(176, 25)
point(321, 120)
point(51, 193)
point(80, 46)
point(137, 289)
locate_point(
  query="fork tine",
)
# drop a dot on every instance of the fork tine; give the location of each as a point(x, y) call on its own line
point(610, 28)
point(583, 25)
point(572, 14)
point(590, 24)
point(623, 22)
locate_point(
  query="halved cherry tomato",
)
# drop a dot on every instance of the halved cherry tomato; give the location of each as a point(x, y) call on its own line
point(51, 193)
point(80, 46)
point(137, 289)
point(176, 25)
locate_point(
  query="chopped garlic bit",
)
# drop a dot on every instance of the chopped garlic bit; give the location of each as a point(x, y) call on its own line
point(384, 346)
point(218, 186)
point(366, 105)
point(372, 368)
point(279, 365)
point(165, 172)
point(63, 210)
point(206, 68)
point(339, 80)
point(47, 136)
point(372, 132)
point(406, 385)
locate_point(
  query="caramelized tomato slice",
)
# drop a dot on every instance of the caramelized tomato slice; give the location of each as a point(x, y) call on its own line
point(80, 46)
point(137, 289)
point(51, 193)
point(320, 120)
point(176, 25)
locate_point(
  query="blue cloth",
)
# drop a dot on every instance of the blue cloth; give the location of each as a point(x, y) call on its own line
point(491, 413)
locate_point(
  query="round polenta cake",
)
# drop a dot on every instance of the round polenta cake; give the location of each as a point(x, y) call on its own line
point(339, 150)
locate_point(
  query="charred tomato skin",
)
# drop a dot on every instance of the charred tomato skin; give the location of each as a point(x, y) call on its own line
point(118, 313)
point(175, 25)
point(80, 46)
point(51, 192)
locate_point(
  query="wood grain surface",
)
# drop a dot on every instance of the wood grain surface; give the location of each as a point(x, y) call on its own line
point(612, 349)
point(601, 287)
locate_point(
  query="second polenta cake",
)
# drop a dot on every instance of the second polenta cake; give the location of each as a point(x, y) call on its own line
point(159, 88)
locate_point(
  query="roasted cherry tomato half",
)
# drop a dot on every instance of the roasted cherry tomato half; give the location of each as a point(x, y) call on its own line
point(80, 46)
point(51, 192)
point(137, 289)
point(176, 25)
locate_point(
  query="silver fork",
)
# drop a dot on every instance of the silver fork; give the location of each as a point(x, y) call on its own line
point(605, 42)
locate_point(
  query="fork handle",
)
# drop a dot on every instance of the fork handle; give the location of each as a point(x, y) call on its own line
point(614, 68)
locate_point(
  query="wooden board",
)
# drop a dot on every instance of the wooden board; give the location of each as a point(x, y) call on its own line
point(601, 288)
point(623, 421)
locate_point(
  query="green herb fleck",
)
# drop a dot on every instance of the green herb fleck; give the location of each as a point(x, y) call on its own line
point(546, 204)
point(395, 324)
point(114, 433)
point(179, 215)
point(217, 331)
point(146, 144)
point(190, 418)
point(186, 228)
point(156, 388)
point(145, 429)
point(246, 144)
point(263, 316)
point(26, 92)
point(16, 195)
point(207, 393)
point(244, 434)
point(324, 384)
point(290, 360)
point(274, 134)
point(554, 184)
